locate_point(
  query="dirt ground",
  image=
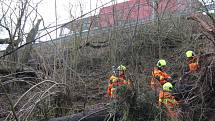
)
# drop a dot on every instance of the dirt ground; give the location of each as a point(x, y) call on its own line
point(3, 107)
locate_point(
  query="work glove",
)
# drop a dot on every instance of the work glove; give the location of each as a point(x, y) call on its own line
point(186, 73)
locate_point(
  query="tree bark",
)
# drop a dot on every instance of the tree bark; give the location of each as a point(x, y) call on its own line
point(30, 39)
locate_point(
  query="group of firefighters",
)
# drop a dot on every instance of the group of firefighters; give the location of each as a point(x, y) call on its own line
point(161, 83)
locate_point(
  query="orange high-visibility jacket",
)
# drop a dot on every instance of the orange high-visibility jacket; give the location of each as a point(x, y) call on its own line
point(156, 73)
point(167, 99)
point(113, 79)
point(117, 81)
point(110, 86)
point(114, 82)
point(170, 104)
point(111, 91)
point(193, 64)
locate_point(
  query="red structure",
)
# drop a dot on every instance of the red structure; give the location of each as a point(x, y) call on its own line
point(130, 11)
point(133, 10)
point(123, 13)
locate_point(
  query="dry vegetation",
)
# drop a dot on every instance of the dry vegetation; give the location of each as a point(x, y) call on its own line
point(66, 77)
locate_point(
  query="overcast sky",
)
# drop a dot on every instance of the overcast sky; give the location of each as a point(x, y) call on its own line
point(47, 8)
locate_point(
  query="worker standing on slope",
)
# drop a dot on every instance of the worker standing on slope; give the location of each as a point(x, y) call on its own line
point(119, 91)
point(167, 102)
point(159, 75)
point(118, 84)
point(124, 83)
point(192, 61)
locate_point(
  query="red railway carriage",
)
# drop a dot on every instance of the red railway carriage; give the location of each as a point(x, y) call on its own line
point(132, 10)
point(122, 13)
point(112, 15)
point(164, 5)
point(141, 9)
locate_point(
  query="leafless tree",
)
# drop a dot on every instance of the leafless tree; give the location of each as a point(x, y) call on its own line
point(72, 70)
point(16, 19)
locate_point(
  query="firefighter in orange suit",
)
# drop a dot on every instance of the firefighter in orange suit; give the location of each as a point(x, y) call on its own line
point(159, 75)
point(192, 61)
point(167, 102)
point(118, 83)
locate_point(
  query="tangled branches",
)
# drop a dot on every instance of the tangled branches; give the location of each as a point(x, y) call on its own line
point(27, 103)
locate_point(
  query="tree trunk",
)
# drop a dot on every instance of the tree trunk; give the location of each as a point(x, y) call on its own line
point(30, 39)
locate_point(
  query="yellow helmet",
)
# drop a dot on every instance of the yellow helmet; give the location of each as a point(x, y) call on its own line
point(167, 87)
point(189, 54)
point(122, 68)
point(161, 63)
